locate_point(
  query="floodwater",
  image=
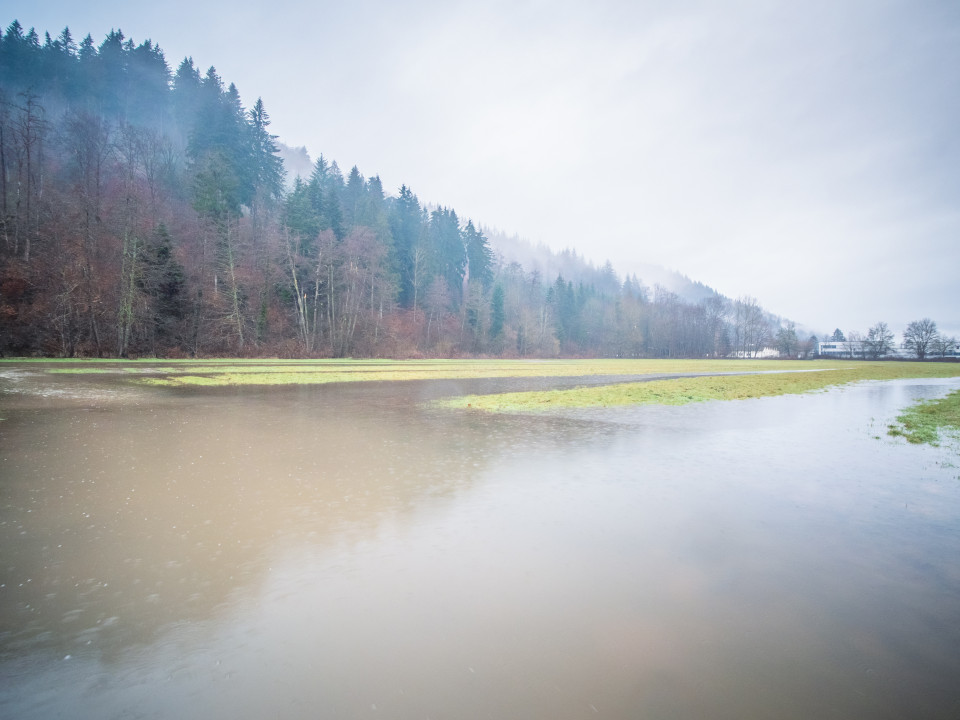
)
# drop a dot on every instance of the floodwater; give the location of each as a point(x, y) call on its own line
point(347, 552)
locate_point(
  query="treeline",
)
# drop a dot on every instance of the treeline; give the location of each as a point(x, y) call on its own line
point(921, 339)
point(144, 212)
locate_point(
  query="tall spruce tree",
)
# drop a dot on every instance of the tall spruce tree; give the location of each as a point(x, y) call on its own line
point(267, 167)
point(479, 255)
point(407, 227)
point(448, 256)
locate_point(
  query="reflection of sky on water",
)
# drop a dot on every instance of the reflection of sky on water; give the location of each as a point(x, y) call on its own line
point(324, 552)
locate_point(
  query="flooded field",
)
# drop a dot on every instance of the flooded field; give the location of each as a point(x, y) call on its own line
point(347, 551)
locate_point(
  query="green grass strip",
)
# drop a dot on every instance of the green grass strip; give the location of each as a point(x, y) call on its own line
point(681, 391)
point(929, 420)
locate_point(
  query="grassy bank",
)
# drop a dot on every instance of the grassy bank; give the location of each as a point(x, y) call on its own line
point(928, 421)
point(680, 391)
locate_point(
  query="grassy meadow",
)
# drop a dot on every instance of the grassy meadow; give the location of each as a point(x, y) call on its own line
point(771, 378)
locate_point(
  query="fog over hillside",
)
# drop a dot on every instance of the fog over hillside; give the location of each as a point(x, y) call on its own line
point(296, 161)
point(572, 264)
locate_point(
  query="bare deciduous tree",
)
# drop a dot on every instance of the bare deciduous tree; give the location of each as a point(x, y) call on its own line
point(919, 336)
point(943, 345)
point(879, 340)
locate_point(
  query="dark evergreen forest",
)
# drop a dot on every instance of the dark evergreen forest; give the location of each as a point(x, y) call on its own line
point(145, 213)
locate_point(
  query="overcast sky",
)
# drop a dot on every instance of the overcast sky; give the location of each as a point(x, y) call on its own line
point(803, 153)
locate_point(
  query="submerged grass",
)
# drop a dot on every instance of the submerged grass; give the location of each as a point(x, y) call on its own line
point(929, 420)
point(680, 391)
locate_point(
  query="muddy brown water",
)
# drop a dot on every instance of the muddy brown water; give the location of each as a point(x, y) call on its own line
point(347, 552)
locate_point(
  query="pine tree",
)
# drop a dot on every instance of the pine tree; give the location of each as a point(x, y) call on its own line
point(498, 315)
point(149, 86)
point(332, 189)
point(220, 139)
point(300, 216)
point(61, 65)
point(479, 255)
point(111, 83)
point(407, 229)
point(163, 282)
point(186, 92)
point(447, 254)
point(17, 68)
point(268, 170)
point(354, 197)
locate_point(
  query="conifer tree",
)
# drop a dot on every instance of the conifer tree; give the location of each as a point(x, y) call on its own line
point(110, 82)
point(447, 254)
point(354, 197)
point(498, 314)
point(407, 229)
point(268, 170)
point(163, 282)
point(479, 255)
point(149, 86)
point(299, 214)
point(186, 92)
point(332, 188)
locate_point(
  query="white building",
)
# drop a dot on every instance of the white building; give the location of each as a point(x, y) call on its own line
point(860, 349)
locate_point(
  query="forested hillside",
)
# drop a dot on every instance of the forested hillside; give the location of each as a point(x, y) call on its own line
point(145, 212)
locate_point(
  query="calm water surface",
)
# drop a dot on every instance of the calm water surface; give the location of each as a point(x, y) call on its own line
point(346, 552)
